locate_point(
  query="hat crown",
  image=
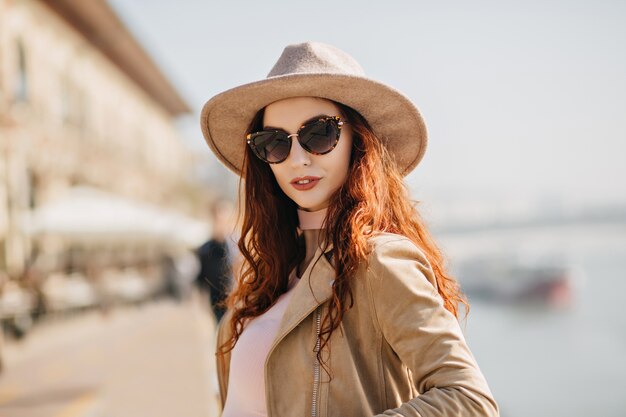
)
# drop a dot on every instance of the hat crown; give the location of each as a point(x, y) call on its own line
point(314, 58)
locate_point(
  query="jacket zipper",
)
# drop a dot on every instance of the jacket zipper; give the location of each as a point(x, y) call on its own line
point(316, 363)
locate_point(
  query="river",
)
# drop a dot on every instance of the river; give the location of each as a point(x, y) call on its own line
point(546, 361)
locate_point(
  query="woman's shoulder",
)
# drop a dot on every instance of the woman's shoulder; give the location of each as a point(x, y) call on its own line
point(396, 255)
point(390, 244)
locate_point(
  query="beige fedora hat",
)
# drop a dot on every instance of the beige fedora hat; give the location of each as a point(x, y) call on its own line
point(318, 70)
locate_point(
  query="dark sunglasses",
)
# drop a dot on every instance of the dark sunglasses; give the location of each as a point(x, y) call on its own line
point(317, 137)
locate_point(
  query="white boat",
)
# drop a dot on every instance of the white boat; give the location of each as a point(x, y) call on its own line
point(506, 279)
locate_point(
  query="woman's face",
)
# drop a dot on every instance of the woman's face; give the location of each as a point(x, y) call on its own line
point(329, 171)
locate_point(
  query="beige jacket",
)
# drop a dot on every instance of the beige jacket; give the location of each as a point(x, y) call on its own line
point(397, 352)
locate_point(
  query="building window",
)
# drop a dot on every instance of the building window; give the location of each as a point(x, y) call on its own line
point(20, 92)
point(65, 100)
point(33, 188)
point(74, 106)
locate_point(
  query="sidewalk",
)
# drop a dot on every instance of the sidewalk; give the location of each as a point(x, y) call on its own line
point(153, 360)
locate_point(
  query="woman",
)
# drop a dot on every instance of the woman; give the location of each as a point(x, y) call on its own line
point(343, 306)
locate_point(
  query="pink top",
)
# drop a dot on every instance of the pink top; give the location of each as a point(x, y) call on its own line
point(246, 382)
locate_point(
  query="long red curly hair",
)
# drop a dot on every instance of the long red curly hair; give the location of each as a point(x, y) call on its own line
point(373, 199)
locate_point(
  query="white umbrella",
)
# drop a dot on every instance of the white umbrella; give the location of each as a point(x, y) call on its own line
point(89, 214)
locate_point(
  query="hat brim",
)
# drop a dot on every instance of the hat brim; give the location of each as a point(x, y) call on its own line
point(393, 116)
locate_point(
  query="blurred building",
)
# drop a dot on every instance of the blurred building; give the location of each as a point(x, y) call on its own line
point(82, 107)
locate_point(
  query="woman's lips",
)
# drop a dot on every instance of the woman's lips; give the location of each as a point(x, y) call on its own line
point(304, 187)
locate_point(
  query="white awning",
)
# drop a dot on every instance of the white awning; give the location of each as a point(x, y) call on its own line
point(88, 214)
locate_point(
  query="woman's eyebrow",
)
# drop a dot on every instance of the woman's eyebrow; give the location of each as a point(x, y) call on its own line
point(319, 116)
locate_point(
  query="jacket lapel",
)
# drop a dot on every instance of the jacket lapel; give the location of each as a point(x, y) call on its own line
point(314, 288)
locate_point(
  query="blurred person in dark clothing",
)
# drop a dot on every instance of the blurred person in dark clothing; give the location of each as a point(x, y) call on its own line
point(216, 259)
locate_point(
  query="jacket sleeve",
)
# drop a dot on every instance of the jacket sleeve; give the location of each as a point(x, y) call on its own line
point(426, 337)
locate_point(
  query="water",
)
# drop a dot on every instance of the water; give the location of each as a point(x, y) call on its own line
point(541, 361)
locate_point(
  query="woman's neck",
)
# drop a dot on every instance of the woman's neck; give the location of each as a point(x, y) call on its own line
point(311, 224)
point(312, 220)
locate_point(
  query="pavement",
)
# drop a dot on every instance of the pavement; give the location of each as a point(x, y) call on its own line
point(152, 360)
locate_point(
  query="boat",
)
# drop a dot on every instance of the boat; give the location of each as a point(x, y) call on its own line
point(506, 279)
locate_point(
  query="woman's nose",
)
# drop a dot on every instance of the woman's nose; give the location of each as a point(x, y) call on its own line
point(298, 156)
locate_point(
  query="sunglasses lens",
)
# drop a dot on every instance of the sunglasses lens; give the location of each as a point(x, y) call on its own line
point(320, 137)
point(271, 146)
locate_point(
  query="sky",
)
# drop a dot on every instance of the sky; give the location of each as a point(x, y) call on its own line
point(525, 102)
